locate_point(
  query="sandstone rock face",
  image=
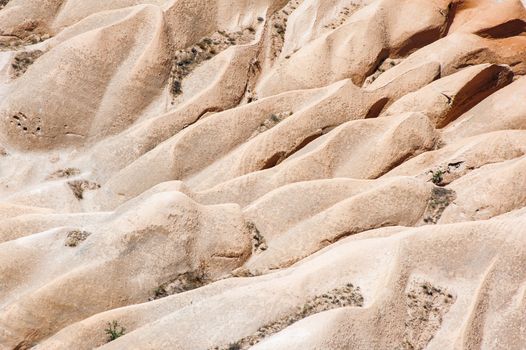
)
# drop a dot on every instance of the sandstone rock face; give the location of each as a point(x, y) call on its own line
point(271, 174)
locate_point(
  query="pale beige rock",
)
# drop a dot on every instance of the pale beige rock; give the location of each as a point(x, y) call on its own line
point(461, 157)
point(212, 240)
point(446, 99)
point(473, 271)
point(489, 191)
point(389, 141)
point(354, 49)
point(500, 111)
point(270, 174)
point(366, 209)
point(117, 70)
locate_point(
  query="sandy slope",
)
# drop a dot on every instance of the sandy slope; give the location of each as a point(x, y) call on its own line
point(224, 174)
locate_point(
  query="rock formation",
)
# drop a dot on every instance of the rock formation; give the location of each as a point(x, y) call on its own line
point(270, 174)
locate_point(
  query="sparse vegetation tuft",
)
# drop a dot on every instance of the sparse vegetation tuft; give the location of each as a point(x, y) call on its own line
point(74, 238)
point(3, 3)
point(114, 330)
point(80, 186)
point(186, 60)
point(64, 173)
point(23, 60)
point(437, 176)
point(234, 346)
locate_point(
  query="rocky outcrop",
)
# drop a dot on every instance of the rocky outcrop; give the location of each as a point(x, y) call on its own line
point(262, 174)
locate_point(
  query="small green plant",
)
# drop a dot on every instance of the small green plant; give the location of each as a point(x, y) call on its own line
point(114, 330)
point(437, 176)
point(275, 118)
point(176, 87)
point(160, 292)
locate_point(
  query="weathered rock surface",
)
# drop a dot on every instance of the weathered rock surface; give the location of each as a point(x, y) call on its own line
point(272, 174)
